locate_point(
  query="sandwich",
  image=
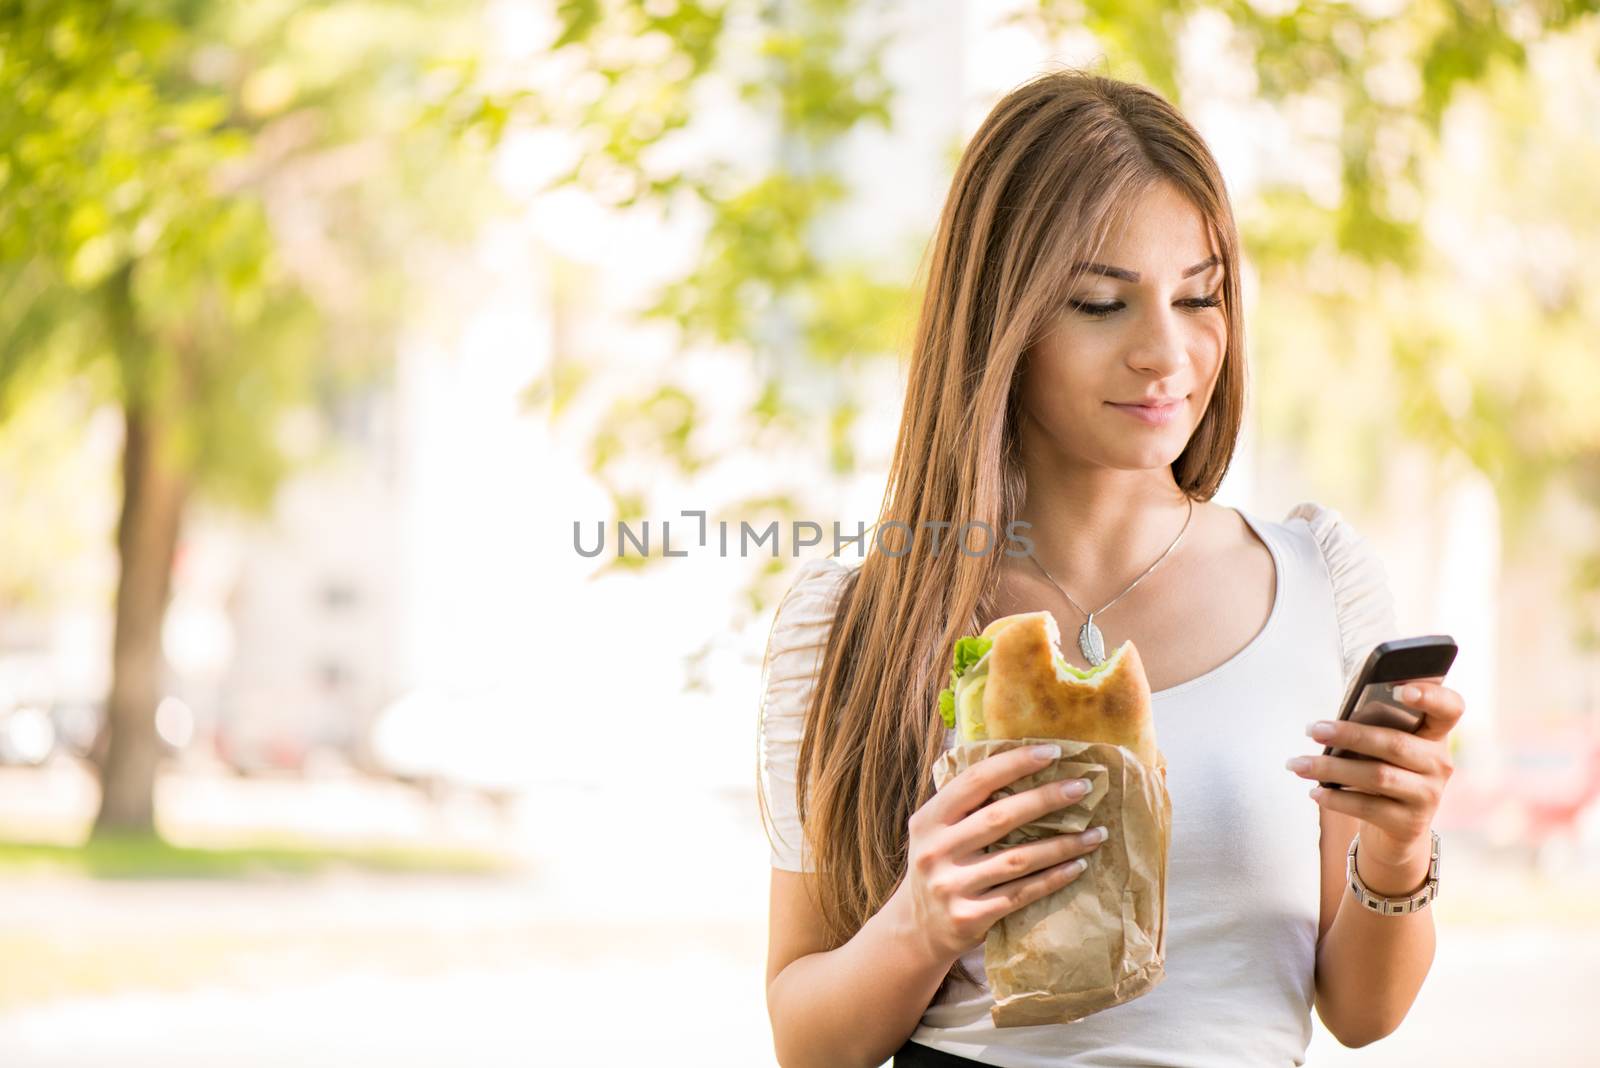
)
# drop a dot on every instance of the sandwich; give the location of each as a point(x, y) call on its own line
point(1011, 681)
point(1100, 940)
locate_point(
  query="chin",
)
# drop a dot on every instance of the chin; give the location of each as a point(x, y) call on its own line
point(1150, 455)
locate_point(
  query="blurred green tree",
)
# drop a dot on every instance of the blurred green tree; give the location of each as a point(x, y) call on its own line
point(760, 282)
point(202, 212)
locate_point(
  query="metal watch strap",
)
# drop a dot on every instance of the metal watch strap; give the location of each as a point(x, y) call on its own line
point(1394, 906)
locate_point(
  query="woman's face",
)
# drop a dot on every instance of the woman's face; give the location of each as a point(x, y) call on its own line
point(1145, 321)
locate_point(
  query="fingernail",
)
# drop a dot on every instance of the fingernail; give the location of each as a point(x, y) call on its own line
point(1321, 730)
point(1074, 788)
point(1047, 752)
point(1095, 834)
point(1409, 693)
point(1299, 763)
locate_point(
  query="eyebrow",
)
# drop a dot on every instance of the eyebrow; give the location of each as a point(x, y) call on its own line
point(1133, 276)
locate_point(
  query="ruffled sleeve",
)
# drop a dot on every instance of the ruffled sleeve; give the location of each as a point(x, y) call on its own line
point(1361, 594)
point(788, 676)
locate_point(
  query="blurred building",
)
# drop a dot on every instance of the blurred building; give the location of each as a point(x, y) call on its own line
point(314, 605)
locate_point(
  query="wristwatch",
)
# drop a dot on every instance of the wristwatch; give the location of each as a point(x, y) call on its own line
point(1394, 906)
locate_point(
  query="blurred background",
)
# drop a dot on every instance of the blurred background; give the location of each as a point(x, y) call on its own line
point(335, 336)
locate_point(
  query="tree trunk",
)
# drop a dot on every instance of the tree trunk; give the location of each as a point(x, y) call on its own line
point(147, 537)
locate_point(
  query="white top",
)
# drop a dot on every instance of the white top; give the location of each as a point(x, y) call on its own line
point(1244, 871)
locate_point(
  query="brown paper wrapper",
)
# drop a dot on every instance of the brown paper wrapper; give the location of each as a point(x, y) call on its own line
point(1101, 939)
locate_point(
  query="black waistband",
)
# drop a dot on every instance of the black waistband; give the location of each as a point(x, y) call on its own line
point(915, 1055)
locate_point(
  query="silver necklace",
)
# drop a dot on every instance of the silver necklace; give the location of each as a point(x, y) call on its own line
point(1090, 640)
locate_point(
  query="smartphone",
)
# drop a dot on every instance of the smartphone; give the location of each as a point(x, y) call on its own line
point(1371, 696)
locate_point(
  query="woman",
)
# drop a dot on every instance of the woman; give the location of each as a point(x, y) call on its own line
point(1087, 263)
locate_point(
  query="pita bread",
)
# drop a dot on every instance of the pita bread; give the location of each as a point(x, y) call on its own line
point(1026, 697)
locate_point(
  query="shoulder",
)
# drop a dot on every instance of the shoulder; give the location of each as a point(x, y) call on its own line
point(1352, 560)
point(1362, 597)
point(820, 580)
point(805, 612)
point(811, 597)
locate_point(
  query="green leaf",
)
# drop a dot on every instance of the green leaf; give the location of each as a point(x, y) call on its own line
point(969, 651)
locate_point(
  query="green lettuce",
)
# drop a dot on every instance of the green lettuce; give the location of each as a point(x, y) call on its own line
point(1078, 672)
point(969, 650)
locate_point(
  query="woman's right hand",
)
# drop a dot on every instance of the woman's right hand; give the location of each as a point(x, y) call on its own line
point(955, 891)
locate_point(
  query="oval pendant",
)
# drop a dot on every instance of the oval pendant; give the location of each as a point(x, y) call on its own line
point(1091, 642)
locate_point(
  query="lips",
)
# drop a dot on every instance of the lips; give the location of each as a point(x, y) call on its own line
point(1152, 414)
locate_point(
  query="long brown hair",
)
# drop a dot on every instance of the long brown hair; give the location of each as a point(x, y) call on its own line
point(1037, 189)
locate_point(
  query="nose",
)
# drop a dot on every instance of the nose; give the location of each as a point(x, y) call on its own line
point(1161, 345)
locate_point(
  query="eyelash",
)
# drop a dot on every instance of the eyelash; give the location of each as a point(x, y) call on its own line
point(1100, 311)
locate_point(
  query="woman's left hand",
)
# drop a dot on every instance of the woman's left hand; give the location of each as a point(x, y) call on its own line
point(1400, 789)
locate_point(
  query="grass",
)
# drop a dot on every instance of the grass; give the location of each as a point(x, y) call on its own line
point(148, 856)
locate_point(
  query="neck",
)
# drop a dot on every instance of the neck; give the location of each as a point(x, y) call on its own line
point(1096, 529)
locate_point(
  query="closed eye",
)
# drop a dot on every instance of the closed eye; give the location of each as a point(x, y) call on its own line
point(1101, 309)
